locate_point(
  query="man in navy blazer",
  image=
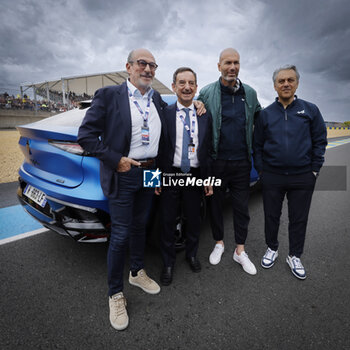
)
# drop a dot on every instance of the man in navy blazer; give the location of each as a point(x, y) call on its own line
point(185, 149)
point(122, 128)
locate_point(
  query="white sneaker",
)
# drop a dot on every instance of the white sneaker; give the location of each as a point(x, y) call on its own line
point(118, 315)
point(296, 267)
point(243, 259)
point(144, 282)
point(215, 256)
point(269, 258)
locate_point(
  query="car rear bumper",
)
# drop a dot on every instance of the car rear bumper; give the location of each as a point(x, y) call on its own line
point(83, 223)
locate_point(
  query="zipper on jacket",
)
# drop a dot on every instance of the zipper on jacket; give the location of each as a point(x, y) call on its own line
point(286, 133)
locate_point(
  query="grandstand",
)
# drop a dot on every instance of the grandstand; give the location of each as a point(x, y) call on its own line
point(69, 90)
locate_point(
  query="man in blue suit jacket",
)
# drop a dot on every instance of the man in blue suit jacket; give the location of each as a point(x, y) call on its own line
point(185, 149)
point(122, 129)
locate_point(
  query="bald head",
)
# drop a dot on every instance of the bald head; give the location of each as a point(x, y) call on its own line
point(229, 64)
point(138, 52)
point(228, 52)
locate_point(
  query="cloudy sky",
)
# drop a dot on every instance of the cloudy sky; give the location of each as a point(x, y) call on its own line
point(46, 40)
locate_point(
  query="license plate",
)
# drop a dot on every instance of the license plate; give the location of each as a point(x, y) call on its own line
point(35, 195)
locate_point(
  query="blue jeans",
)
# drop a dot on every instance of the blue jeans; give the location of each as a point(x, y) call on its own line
point(129, 214)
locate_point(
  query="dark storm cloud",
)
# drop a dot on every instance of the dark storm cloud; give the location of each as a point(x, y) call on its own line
point(313, 33)
point(34, 38)
point(57, 38)
point(69, 34)
point(18, 42)
point(127, 23)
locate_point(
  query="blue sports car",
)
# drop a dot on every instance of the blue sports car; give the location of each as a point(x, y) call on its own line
point(59, 183)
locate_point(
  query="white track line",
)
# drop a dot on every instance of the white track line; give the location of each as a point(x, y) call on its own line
point(23, 235)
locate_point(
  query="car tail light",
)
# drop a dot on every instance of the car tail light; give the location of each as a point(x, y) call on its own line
point(71, 147)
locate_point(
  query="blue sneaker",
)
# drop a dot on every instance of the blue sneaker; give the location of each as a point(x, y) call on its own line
point(296, 267)
point(269, 258)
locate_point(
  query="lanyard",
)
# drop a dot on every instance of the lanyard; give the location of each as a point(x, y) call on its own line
point(193, 124)
point(148, 107)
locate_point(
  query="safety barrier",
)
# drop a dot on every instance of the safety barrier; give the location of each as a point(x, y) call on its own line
point(336, 131)
point(9, 119)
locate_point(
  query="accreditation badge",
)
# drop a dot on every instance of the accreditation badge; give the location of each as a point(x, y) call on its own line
point(145, 135)
point(191, 150)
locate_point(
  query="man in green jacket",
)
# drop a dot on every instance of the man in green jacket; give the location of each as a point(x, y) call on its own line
point(233, 106)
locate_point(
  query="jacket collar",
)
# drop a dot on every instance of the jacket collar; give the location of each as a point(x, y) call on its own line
point(290, 105)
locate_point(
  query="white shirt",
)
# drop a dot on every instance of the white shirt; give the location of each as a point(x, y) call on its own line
point(139, 151)
point(194, 163)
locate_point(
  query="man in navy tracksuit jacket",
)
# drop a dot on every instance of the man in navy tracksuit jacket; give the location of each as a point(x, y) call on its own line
point(290, 139)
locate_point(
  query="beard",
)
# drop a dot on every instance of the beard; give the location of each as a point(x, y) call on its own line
point(145, 85)
point(228, 78)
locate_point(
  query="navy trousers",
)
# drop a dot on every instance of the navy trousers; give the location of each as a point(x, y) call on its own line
point(171, 199)
point(298, 189)
point(235, 176)
point(129, 213)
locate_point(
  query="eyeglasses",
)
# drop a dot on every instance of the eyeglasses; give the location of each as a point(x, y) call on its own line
point(143, 64)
